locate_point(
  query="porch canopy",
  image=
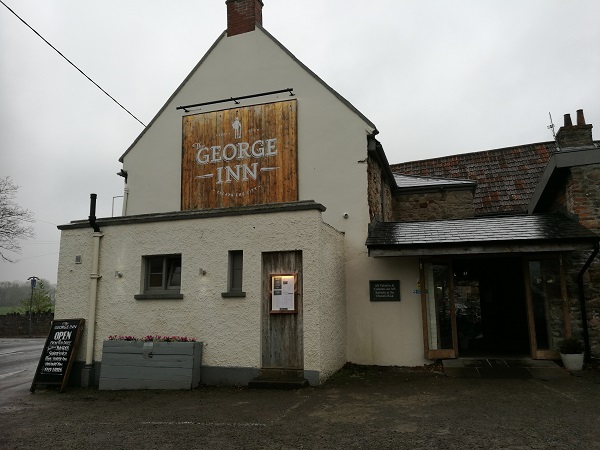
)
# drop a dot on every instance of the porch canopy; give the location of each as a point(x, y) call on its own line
point(502, 234)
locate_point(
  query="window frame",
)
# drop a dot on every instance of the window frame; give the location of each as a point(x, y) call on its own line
point(235, 274)
point(170, 263)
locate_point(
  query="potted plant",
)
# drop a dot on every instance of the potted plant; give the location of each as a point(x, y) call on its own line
point(571, 353)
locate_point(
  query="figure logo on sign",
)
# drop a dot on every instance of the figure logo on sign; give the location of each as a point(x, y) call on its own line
point(237, 128)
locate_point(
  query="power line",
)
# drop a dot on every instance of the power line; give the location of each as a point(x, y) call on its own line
point(37, 256)
point(69, 61)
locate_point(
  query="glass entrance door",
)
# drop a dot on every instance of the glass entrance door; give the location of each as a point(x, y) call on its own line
point(437, 295)
point(547, 306)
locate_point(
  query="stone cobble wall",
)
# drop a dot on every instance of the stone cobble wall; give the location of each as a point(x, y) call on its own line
point(434, 206)
point(15, 324)
point(377, 210)
point(582, 199)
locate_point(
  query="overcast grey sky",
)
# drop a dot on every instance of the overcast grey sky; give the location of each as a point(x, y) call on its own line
point(436, 77)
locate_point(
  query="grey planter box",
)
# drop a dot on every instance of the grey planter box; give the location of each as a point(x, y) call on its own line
point(148, 365)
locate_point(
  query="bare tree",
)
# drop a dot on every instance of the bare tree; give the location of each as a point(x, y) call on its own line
point(12, 218)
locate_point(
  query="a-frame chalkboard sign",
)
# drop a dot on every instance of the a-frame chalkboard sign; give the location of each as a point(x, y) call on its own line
point(58, 354)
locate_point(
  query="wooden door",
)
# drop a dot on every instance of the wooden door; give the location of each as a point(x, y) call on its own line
point(282, 338)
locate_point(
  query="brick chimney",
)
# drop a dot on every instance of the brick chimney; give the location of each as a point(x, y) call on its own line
point(579, 135)
point(243, 15)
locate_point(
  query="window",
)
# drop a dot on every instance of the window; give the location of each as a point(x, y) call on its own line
point(161, 277)
point(234, 274)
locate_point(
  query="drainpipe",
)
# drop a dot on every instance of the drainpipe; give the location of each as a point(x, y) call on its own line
point(88, 376)
point(584, 322)
point(125, 199)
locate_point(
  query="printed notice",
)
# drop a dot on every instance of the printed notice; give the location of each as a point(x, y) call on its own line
point(283, 293)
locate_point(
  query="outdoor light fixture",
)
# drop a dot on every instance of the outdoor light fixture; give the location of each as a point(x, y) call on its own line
point(123, 173)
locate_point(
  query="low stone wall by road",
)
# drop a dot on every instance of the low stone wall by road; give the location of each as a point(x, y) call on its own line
point(15, 324)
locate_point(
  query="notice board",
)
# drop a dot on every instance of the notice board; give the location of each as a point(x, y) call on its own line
point(58, 353)
point(284, 291)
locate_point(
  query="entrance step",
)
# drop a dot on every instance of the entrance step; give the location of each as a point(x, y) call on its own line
point(277, 383)
point(508, 368)
point(279, 379)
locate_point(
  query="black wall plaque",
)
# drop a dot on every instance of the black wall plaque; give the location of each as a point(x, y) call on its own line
point(58, 353)
point(384, 290)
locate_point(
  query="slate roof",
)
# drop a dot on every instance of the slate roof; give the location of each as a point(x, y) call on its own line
point(506, 177)
point(480, 231)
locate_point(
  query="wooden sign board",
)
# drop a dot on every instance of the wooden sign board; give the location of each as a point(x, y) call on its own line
point(58, 353)
point(384, 290)
point(240, 157)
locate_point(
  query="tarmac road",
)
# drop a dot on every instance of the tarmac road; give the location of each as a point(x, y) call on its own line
point(18, 361)
point(360, 407)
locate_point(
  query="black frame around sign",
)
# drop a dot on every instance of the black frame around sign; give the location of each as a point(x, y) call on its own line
point(58, 353)
point(373, 284)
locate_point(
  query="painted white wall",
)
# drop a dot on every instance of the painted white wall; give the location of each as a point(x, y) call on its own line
point(229, 327)
point(332, 142)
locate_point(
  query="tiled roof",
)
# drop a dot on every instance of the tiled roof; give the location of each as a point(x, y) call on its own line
point(506, 178)
point(480, 231)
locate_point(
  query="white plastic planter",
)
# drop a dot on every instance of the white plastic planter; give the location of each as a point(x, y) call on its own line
point(572, 362)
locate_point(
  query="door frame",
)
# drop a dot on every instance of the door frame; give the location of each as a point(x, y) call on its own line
point(535, 352)
point(450, 353)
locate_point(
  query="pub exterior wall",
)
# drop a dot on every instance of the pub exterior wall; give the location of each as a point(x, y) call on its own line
point(229, 327)
point(332, 147)
point(583, 200)
point(422, 206)
point(330, 135)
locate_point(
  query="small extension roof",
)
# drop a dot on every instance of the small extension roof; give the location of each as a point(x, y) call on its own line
point(506, 177)
point(502, 234)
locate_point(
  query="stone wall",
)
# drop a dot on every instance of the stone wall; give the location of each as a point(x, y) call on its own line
point(418, 206)
point(580, 198)
point(583, 200)
point(15, 324)
point(380, 206)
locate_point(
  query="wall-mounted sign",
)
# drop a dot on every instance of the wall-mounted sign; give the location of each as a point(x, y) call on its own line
point(283, 293)
point(384, 290)
point(240, 156)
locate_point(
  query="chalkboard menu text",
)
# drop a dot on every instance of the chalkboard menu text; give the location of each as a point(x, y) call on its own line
point(58, 353)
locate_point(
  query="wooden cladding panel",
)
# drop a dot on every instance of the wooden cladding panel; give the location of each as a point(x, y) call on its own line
point(240, 157)
point(282, 334)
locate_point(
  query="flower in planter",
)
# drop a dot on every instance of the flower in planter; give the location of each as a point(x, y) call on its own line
point(570, 346)
point(115, 337)
point(152, 338)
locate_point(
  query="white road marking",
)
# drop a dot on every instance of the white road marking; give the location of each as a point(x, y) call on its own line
point(208, 424)
point(556, 391)
point(10, 353)
point(10, 374)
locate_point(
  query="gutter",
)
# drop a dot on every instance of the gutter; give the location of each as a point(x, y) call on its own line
point(584, 321)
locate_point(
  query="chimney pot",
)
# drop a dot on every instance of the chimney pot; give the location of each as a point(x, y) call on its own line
point(243, 15)
point(570, 136)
